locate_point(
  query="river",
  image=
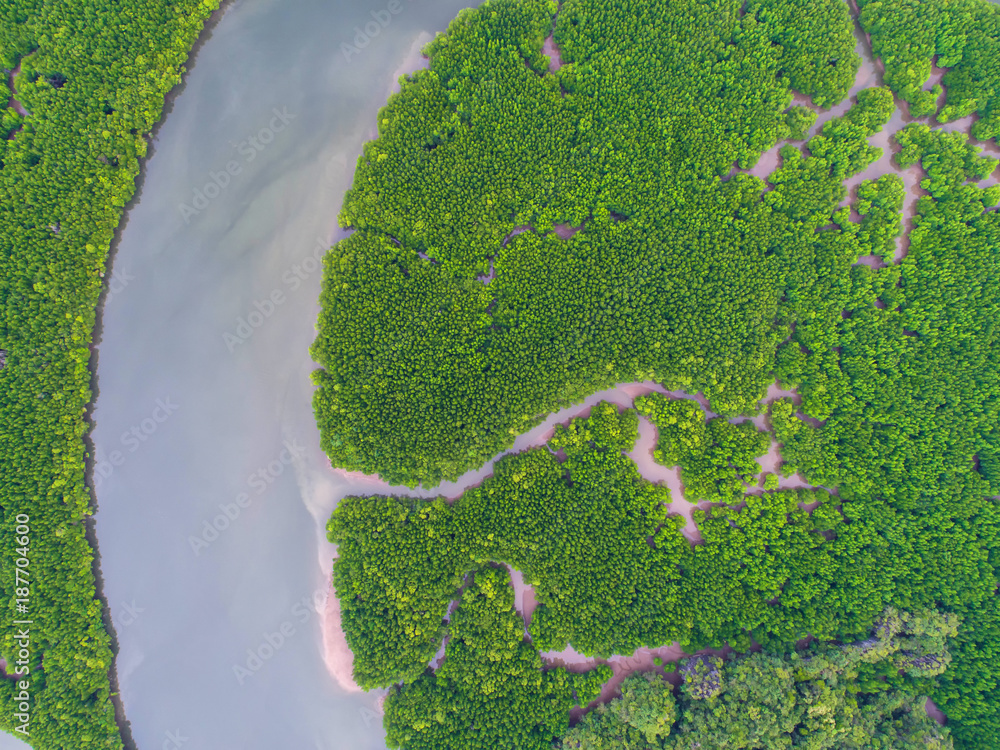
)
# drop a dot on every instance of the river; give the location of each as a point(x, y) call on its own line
point(213, 492)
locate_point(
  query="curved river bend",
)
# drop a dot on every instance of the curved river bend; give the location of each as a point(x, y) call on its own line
point(213, 491)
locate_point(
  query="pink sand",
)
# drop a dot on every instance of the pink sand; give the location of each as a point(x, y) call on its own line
point(336, 653)
point(14, 103)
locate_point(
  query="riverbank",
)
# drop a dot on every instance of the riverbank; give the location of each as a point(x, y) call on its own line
point(124, 724)
point(14, 103)
point(336, 653)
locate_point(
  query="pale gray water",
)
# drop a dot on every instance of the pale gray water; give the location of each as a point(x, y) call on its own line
point(216, 417)
point(184, 620)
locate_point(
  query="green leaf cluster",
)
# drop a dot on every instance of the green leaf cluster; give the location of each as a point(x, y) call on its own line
point(962, 35)
point(817, 699)
point(703, 279)
point(718, 459)
point(906, 385)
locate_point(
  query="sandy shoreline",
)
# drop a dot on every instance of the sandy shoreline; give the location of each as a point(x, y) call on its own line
point(414, 61)
point(336, 654)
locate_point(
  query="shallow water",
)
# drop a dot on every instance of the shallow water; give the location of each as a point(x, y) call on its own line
point(204, 354)
point(211, 515)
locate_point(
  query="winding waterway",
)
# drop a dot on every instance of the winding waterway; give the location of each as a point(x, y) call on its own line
point(212, 489)
point(213, 492)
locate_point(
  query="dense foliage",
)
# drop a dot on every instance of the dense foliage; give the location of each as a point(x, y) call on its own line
point(92, 77)
point(962, 35)
point(899, 367)
point(855, 697)
point(501, 702)
point(642, 716)
point(458, 313)
point(427, 370)
point(718, 459)
point(577, 529)
point(908, 383)
point(611, 570)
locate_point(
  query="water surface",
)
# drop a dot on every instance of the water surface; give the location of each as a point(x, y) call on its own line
point(212, 490)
